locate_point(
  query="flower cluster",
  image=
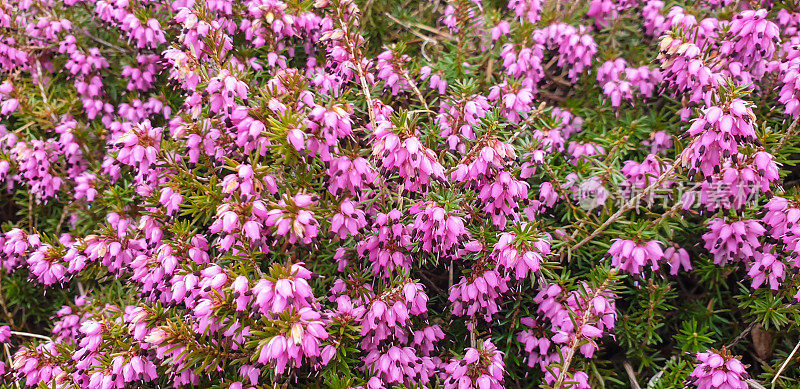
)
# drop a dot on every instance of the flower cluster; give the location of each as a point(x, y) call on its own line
point(480, 368)
point(718, 134)
point(719, 370)
point(632, 257)
point(264, 193)
point(733, 241)
point(415, 163)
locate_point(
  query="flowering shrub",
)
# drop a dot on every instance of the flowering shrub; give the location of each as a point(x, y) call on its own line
point(375, 194)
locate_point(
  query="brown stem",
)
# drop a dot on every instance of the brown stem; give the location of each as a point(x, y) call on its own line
point(575, 341)
point(359, 66)
point(416, 90)
point(627, 207)
point(789, 134)
point(30, 335)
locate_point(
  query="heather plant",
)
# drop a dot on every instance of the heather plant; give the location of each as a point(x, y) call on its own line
point(375, 194)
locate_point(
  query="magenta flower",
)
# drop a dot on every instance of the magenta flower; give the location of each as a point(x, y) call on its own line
point(438, 230)
point(734, 241)
point(603, 12)
point(389, 315)
point(286, 288)
point(659, 142)
point(753, 40)
point(437, 80)
point(521, 252)
point(292, 216)
point(766, 267)
point(479, 167)
point(45, 264)
point(478, 294)
point(391, 69)
point(300, 338)
point(503, 197)
point(5, 333)
point(738, 185)
point(717, 135)
point(632, 257)
point(415, 163)
point(529, 10)
point(579, 150)
point(389, 244)
point(717, 370)
point(575, 379)
point(576, 48)
point(348, 220)
point(523, 63)
point(516, 102)
point(350, 174)
point(480, 367)
point(458, 119)
point(685, 70)
point(537, 344)
point(641, 175)
point(677, 257)
point(139, 146)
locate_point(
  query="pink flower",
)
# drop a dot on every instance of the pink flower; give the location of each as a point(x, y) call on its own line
point(753, 40)
point(478, 294)
point(503, 197)
point(579, 151)
point(654, 21)
point(677, 258)
point(524, 251)
point(766, 267)
point(529, 10)
point(479, 368)
point(5, 333)
point(717, 135)
point(415, 163)
point(733, 241)
point(292, 216)
point(284, 289)
point(391, 69)
point(458, 119)
point(349, 174)
point(438, 230)
point(719, 370)
point(388, 244)
point(304, 334)
point(632, 257)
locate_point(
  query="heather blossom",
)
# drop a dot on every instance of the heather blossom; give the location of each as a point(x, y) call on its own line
point(733, 241)
point(389, 244)
point(753, 38)
point(348, 221)
point(502, 198)
point(717, 134)
point(478, 168)
point(480, 367)
point(521, 251)
point(632, 256)
point(719, 369)
point(766, 268)
point(529, 10)
point(292, 216)
point(439, 230)
point(678, 258)
point(478, 293)
point(250, 193)
point(415, 163)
